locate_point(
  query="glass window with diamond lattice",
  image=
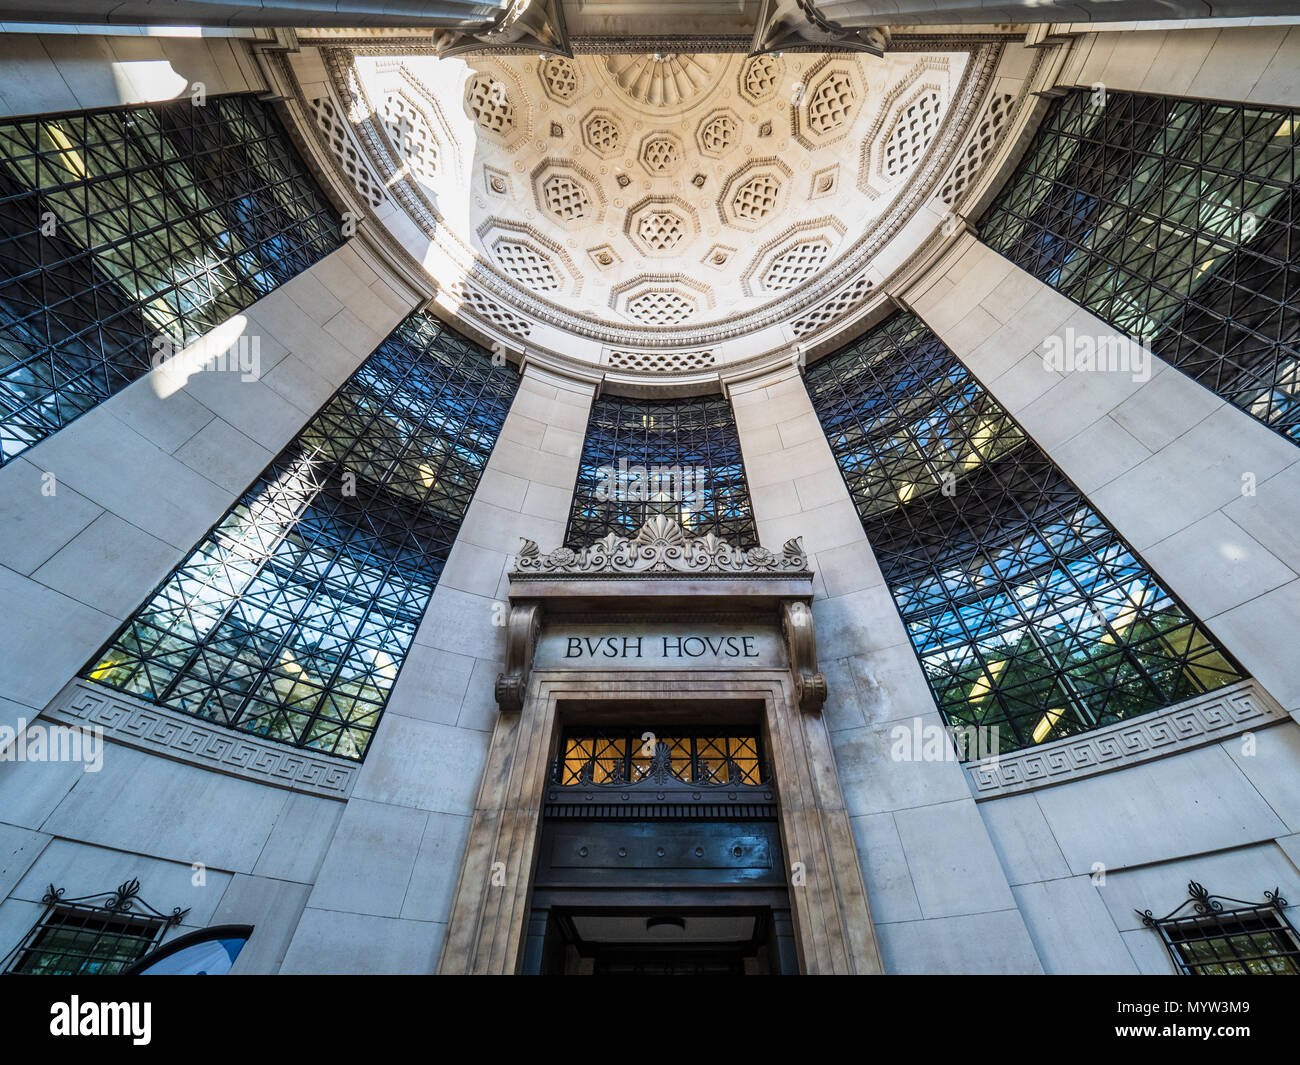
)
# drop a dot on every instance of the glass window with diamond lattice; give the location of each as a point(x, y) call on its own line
point(678, 458)
point(122, 229)
point(1028, 612)
point(1178, 222)
point(293, 616)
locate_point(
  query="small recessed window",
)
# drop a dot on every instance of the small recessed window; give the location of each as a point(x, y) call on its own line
point(1244, 939)
point(77, 943)
point(96, 935)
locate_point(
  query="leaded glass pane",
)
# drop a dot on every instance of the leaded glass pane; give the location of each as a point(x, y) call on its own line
point(1178, 222)
point(1028, 612)
point(642, 458)
point(293, 616)
point(121, 229)
point(693, 756)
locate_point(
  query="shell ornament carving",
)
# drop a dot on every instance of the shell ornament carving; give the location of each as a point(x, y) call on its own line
point(661, 548)
point(663, 79)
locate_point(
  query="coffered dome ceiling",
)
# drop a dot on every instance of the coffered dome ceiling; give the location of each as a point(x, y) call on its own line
point(654, 213)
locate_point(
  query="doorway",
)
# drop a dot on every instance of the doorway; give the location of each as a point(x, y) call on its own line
point(660, 854)
point(667, 941)
point(511, 881)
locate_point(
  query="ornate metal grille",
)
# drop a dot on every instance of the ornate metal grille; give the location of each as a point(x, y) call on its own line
point(95, 935)
point(679, 458)
point(1178, 222)
point(123, 227)
point(1028, 611)
point(1249, 939)
point(635, 755)
point(293, 616)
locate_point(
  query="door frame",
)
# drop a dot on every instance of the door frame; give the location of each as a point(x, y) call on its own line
point(488, 927)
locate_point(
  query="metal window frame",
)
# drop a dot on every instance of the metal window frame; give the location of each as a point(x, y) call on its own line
point(699, 426)
point(1208, 913)
point(120, 911)
point(660, 770)
point(415, 425)
point(899, 381)
point(229, 165)
point(1226, 320)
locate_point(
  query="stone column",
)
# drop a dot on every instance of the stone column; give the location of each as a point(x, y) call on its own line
point(382, 899)
point(93, 517)
point(939, 898)
point(1209, 496)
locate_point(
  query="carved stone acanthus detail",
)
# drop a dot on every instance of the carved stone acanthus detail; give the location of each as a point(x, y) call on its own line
point(660, 549)
point(524, 624)
point(801, 642)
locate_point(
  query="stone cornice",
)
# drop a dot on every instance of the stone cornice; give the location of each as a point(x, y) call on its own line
point(1193, 723)
point(147, 727)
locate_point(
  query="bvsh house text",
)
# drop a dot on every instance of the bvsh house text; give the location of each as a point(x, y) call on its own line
point(625, 647)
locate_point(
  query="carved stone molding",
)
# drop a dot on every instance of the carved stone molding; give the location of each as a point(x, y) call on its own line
point(532, 25)
point(660, 574)
point(661, 549)
point(784, 24)
point(523, 626)
point(146, 727)
point(1194, 723)
point(801, 642)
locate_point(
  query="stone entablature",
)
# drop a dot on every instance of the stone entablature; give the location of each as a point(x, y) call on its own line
point(661, 600)
point(1193, 723)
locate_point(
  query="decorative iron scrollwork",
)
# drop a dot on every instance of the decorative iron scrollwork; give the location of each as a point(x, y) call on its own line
point(659, 772)
point(123, 899)
point(1244, 938)
point(1206, 905)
